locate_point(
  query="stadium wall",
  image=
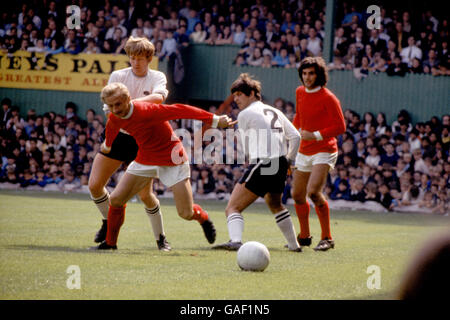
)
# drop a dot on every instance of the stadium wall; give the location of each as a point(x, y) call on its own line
point(209, 72)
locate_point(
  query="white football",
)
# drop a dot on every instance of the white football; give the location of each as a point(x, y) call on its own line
point(253, 256)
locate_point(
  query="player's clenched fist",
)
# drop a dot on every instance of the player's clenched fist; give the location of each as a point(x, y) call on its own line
point(225, 122)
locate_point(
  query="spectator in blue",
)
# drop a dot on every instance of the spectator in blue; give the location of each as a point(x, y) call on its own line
point(390, 156)
point(180, 36)
point(288, 23)
point(255, 14)
point(55, 47)
point(26, 179)
point(342, 191)
point(245, 21)
point(30, 126)
point(70, 129)
point(239, 34)
point(192, 20)
point(281, 59)
point(348, 18)
point(343, 176)
point(41, 178)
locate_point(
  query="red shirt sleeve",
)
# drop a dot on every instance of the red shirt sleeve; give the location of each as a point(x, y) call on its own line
point(337, 126)
point(164, 112)
point(111, 131)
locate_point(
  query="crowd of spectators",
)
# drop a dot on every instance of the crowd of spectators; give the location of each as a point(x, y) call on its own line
point(270, 33)
point(396, 167)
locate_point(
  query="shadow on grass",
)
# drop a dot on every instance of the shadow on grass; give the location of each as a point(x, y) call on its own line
point(193, 252)
point(46, 248)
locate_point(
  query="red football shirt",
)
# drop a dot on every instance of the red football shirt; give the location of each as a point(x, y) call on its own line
point(318, 111)
point(148, 124)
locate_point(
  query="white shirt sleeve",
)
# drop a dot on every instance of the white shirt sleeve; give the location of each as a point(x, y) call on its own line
point(318, 135)
point(292, 136)
point(215, 121)
point(160, 84)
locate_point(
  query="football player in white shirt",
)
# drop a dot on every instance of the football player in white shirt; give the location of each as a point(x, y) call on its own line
point(268, 131)
point(146, 85)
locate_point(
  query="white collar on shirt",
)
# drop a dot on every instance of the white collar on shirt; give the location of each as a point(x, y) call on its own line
point(129, 112)
point(313, 90)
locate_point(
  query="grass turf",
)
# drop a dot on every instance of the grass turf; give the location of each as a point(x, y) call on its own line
point(42, 234)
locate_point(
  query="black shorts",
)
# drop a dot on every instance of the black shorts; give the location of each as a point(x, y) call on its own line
point(124, 148)
point(267, 176)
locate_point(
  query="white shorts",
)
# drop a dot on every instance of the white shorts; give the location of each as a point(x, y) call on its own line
point(305, 163)
point(169, 175)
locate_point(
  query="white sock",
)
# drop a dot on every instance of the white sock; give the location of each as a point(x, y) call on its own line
point(155, 217)
point(235, 223)
point(284, 222)
point(102, 204)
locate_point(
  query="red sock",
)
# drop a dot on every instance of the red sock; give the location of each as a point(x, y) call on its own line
point(323, 212)
point(302, 211)
point(116, 217)
point(199, 214)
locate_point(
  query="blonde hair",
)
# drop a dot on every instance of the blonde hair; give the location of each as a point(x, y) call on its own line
point(115, 89)
point(139, 47)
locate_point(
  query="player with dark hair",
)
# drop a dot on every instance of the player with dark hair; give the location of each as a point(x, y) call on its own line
point(268, 131)
point(159, 155)
point(319, 119)
point(143, 84)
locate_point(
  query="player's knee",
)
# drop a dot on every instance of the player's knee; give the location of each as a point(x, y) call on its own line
point(299, 196)
point(230, 209)
point(95, 188)
point(315, 196)
point(115, 201)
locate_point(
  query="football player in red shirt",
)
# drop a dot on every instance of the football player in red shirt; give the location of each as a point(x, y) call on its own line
point(146, 85)
point(319, 119)
point(160, 154)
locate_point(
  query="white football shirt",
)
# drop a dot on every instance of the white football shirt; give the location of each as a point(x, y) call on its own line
point(153, 82)
point(266, 133)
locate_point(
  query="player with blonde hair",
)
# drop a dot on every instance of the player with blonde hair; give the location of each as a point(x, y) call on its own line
point(143, 84)
point(159, 155)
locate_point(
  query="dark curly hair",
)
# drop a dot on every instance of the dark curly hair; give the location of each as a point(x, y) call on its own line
point(320, 67)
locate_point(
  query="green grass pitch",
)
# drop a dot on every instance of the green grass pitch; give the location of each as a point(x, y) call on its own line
point(42, 234)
